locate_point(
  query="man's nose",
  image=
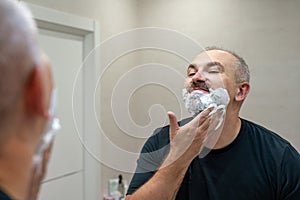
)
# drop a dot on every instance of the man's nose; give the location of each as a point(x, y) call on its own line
point(198, 77)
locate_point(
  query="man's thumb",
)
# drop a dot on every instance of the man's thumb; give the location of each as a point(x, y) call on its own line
point(173, 124)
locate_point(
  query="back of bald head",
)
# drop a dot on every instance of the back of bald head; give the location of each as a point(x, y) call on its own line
point(19, 53)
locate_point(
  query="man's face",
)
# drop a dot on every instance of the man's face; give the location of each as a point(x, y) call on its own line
point(211, 69)
point(52, 124)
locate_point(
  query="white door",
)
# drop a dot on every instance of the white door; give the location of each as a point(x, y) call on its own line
point(67, 39)
point(64, 179)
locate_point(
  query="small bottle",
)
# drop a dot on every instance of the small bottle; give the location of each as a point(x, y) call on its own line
point(121, 187)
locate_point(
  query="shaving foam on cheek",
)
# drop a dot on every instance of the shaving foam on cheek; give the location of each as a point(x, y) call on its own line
point(52, 126)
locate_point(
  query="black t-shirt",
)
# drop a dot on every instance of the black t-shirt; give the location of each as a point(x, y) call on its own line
point(4, 196)
point(258, 164)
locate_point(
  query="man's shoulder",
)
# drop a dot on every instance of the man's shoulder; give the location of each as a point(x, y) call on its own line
point(278, 158)
point(265, 138)
point(258, 130)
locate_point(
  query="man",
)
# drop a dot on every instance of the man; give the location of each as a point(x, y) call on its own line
point(25, 94)
point(246, 162)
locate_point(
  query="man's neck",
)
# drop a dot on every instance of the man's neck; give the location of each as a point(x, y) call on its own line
point(15, 168)
point(231, 128)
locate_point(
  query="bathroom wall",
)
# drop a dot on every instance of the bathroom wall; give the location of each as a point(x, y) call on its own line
point(265, 33)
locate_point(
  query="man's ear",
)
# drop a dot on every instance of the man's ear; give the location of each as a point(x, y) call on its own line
point(35, 94)
point(242, 91)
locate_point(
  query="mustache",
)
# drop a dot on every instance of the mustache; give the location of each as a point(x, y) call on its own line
point(201, 85)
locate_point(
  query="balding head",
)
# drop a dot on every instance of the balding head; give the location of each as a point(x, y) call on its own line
point(19, 53)
point(242, 73)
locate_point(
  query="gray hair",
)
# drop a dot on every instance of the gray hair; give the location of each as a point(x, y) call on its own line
point(242, 73)
point(19, 53)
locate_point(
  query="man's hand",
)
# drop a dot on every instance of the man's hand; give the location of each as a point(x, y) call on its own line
point(186, 141)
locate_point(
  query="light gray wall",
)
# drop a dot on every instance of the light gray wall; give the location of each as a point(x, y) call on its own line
point(265, 33)
point(114, 16)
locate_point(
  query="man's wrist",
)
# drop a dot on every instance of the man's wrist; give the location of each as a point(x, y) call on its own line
point(177, 163)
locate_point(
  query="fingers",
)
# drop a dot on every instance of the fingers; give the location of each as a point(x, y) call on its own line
point(203, 128)
point(203, 116)
point(173, 124)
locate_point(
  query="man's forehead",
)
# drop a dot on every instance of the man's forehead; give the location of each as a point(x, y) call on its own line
point(206, 57)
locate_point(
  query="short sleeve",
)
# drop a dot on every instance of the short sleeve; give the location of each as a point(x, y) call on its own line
point(290, 175)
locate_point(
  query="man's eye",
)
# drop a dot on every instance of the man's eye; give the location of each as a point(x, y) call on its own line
point(191, 74)
point(214, 69)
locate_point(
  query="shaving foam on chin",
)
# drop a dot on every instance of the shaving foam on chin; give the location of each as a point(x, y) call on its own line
point(197, 101)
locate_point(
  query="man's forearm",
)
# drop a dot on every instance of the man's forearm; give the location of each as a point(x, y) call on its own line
point(164, 184)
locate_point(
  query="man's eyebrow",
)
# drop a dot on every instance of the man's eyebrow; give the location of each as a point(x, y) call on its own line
point(210, 64)
point(192, 66)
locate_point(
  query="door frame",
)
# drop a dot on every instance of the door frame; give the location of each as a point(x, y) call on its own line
point(58, 21)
